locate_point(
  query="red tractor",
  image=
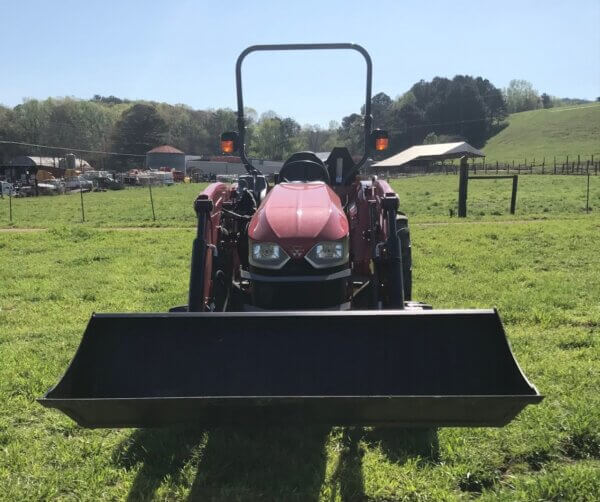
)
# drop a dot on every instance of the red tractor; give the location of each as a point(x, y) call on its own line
point(300, 310)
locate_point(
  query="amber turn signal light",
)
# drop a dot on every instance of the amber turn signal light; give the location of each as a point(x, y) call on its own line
point(379, 140)
point(227, 146)
point(229, 142)
point(381, 144)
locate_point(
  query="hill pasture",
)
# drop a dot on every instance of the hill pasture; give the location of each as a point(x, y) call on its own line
point(562, 131)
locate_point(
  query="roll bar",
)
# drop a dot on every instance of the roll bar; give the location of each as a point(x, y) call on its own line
point(241, 123)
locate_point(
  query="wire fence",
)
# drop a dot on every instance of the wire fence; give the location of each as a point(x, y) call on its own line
point(578, 164)
point(427, 198)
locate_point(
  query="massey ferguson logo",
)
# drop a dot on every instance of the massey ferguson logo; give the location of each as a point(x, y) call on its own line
point(297, 251)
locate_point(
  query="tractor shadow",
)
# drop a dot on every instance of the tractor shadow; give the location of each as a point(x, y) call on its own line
point(162, 453)
point(262, 463)
point(400, 444)
point(230, 463)
point(397, 444)
point(348, 475)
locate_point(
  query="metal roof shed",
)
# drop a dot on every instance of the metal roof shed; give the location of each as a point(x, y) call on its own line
point(440, 151)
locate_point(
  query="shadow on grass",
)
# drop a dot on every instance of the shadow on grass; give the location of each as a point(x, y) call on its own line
point(266, 463)
point(233, 463)
point(399, 444)
point(162, 452)
point(348, 475)
point(262, 463)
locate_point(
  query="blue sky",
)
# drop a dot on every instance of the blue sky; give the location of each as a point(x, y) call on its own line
point(185, 51)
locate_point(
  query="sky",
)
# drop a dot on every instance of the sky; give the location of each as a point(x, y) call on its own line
point(185, 51)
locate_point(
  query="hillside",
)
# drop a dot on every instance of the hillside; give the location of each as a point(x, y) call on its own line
point(548, 133)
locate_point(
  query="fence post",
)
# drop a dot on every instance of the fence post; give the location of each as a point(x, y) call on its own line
point(513, 197)
point(81, 197)
point(151, 199)
point(496, 167)
point(519, 171)
point(474, 166)
point(462, 187)
point(578, 164)
point(10, 205)
point(555, 164)
point(543, 165)
point(587, 195)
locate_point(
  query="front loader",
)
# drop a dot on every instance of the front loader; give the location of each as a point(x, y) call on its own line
point(299, 310)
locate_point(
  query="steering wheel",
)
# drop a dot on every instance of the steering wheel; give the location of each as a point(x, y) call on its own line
point(304, 170)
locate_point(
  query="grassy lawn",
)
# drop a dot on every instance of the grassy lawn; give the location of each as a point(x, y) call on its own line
point(544, 277)
point(423, 198)
point(571, 130)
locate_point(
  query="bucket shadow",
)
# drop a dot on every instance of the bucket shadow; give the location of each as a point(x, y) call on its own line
point(399, 444)
point(162, 452)
point(262, 463)
point(348, 475)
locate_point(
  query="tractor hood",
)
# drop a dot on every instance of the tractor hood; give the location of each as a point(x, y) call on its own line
point(299, 215)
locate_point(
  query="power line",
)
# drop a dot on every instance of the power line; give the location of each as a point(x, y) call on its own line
point(21, 143)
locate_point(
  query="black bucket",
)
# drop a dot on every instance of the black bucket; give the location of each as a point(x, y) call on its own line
point(406, 368)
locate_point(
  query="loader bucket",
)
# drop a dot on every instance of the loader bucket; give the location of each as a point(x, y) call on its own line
point(407, 368)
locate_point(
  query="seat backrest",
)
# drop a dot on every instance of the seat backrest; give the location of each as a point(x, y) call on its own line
point(304, 166)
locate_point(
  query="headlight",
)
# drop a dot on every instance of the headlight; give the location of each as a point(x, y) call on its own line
point(267, 255)
point(328, 253)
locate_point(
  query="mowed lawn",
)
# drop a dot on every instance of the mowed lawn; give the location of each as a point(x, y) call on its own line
point(423, 198)
point(544, 276)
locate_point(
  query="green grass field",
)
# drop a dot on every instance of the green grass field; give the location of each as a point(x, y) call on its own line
point(547, 133)
point(423, 198)
point(544, 276)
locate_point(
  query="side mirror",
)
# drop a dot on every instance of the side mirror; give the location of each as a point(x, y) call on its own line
point(229, 142)
point(379, 140)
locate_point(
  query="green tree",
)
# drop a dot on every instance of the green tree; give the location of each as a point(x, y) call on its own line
point(31, 120)
point(351, 133)
point(521, 96)
point(546, 101)
point(275, 138)
point(139, 129)
point(8, 133)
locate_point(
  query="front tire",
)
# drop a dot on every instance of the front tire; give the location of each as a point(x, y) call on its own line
point(403, 232)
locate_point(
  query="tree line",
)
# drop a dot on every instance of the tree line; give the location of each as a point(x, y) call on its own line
point(463, 108)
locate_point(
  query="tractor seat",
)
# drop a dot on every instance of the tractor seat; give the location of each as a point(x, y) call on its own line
point(304, 167)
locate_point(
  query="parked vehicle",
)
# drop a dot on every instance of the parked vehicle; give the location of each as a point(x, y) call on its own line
point(51, 187)
point(7, 189)
point(78, 183)
point(178, 176)
point(103, 180)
